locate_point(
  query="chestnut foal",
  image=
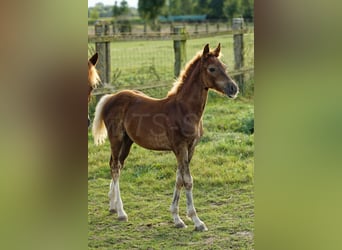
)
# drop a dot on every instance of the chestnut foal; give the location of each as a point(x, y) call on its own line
point(173, 123)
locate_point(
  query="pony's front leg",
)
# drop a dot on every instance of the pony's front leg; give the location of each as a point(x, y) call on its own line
point(179, 223)
point(184, 178)
point(191, 211)
point(188, 183)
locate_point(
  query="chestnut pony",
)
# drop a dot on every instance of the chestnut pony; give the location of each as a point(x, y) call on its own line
point(93, 77)
point(173, 123)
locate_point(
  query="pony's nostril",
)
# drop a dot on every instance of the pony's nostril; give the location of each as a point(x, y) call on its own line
point(232, 88)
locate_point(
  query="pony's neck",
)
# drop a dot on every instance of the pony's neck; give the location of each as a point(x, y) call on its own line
point(193, 94)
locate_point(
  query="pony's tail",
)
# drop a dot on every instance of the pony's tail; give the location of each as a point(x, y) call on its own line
point(99, 129)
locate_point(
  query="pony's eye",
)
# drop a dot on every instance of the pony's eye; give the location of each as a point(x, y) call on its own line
point(211, 69)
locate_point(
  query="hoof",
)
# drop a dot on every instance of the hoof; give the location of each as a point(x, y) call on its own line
point(123, 218)
point(112, 211)
point(201, 228)
point(180, 225)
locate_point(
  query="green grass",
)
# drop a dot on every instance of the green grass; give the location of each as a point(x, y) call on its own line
point(222, 168)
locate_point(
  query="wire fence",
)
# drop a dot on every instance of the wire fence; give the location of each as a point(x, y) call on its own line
point(149, 65)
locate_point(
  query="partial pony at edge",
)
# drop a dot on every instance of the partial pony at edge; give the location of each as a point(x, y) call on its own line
point(99, 129)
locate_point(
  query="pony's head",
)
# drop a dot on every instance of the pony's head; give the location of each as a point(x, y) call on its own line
point(93, 77)
point(213, 73)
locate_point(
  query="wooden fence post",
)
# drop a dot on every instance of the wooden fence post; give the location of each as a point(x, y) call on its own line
point(238, 50)
point(145, 28)
point(171, 28)
point(103, 48)
point(98, 28)
point(196, 28)
point(106, 29)
point(114, 27)
point(179, 46)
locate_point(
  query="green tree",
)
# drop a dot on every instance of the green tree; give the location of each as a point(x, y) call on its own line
point(149, 10)
point(180, 7)
point(186, 7)
point(124, 7)
point(116, 9)
point(216, 10)
point(122, 10)
point(232, 8)
point(247, 9)
point(94, 14)
point(201, 7)
point(175, 7)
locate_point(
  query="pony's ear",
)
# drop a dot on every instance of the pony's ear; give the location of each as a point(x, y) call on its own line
point(206, 50)
point(217, 50)
point(93, 59)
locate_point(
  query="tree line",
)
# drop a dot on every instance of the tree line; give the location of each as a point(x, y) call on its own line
point(214, 9)
point(149, 10)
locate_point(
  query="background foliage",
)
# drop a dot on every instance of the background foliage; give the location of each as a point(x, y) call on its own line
point(214, 9)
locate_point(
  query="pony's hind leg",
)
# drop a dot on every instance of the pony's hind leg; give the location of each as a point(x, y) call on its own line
point(120, 150)
point(111, 194)
point(125, 148)
point(112, 200)
point(115, 202)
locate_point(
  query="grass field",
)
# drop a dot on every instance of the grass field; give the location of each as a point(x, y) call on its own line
point(222, 168)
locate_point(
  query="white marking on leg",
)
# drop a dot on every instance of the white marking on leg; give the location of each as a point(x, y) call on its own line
point(111, 196)
point(174, 206)
point(119, 205)
point(175, 209)
point(191, 211)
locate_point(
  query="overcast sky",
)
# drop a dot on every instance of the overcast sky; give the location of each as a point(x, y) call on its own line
point(131, 3)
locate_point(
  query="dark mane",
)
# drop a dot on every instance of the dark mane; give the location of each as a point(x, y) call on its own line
point(190, 66)
point(177, 86)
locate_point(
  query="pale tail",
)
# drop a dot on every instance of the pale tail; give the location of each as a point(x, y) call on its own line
point(99, 129)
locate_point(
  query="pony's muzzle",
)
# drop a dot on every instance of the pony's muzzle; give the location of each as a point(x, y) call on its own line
point(232, 90)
